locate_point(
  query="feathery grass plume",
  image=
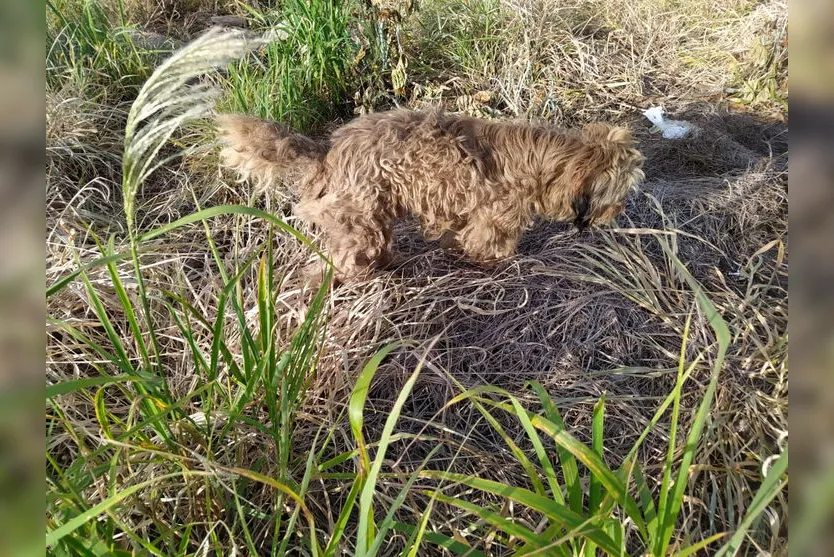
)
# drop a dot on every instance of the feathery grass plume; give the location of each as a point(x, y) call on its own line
point(170, 98)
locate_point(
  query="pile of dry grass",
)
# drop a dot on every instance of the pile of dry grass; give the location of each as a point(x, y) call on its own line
point(570, 62)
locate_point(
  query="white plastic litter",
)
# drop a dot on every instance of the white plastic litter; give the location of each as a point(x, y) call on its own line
point(671, 129)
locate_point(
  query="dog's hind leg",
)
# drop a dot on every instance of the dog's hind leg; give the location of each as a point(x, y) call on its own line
point(355, 240)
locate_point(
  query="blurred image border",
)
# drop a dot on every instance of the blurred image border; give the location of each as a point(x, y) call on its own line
point(811, 214)
point(22, 268)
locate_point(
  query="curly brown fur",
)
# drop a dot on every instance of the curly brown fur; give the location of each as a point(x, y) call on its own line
point(478, 184)
point(264, 151)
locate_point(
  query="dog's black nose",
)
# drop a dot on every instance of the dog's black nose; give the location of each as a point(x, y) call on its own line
point(582, 223)
point(581, 208)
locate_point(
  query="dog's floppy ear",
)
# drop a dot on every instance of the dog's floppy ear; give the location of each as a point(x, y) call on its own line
point(606, 136)
point(586, 166)
point(606, 168)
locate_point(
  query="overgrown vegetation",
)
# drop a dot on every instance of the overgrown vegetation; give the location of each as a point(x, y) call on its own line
point(300, 78)
point(622, 393)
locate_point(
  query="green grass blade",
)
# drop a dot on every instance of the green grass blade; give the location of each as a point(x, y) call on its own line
point(186, 331)
point(344, 515)
point(570, 470)
point(241, 516)
point(309, 469)
point(61, 283)
point(616, 529)
point(723, 337)
point(66, 387)
point(104, 319)
point(102, 415)
point(97, 348)
point(217, 344)
point(646, 501)
point(394, 506)
point(356, 405)
point(286, 490)
point(700, 546)
point(773, 483)
point(541, 453)
point(529, 469)
point(356, 409)
point(127, 306)
point(366, 527)
point(347, 455)
point(248, 346)
point(54, 536)
point(595, 489)
point(612, 484)
point(554, 511)
point(217, 336)
point(664, 502)
point(661, 410)
point(560, 544)
point(229, 210)
point(341, 522)
point(473, 395)
point(493, 519)
point(412, 545)
point(440, 540)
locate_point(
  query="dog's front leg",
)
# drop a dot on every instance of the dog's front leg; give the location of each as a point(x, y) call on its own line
point(485, 241)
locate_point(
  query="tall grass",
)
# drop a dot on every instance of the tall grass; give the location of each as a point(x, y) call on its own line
point(461, 37)
point(612, 510)
point(131, 371)
point(301, 78)
point(145, 431)
point(87, 48)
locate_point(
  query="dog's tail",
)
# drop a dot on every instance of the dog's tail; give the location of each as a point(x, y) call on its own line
point(264, 151)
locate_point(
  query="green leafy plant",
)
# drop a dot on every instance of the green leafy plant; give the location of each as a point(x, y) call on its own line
point(279, 374)
point(268, 375)
point(86, 47)
point(301, 77)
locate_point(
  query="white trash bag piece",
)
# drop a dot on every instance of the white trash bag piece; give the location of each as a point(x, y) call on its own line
point(671, 129)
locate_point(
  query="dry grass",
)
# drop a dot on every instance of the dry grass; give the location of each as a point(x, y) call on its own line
point(579, 61)
point(582, 315)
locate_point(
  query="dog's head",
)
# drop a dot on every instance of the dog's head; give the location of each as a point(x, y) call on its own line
point(606, 168)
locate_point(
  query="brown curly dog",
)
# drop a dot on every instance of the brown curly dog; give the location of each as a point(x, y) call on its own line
point(477, 184)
